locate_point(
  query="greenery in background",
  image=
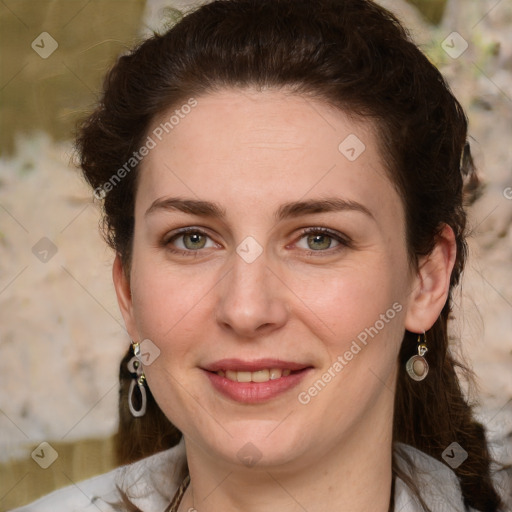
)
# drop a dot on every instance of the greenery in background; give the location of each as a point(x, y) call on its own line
point(52, 94)
point(432, 10)
point(483, 51)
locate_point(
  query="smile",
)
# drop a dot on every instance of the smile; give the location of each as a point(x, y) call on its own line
point(252, 382)
point(258, 376)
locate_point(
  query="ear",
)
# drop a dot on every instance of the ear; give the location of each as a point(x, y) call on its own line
point(432, 283)
point(124, 296)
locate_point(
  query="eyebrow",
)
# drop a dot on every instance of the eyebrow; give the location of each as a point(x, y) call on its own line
point(285, 211)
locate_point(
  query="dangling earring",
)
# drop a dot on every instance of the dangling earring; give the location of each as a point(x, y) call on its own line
point(135, 367)
point(417, 366)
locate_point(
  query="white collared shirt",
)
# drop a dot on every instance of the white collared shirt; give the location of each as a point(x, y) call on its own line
point(152, 482)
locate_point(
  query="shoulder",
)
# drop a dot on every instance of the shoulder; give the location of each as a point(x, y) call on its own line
point(437, 483)
point(82, 496)
point(149, 484)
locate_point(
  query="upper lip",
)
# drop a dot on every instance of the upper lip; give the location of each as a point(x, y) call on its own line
point(253, 366)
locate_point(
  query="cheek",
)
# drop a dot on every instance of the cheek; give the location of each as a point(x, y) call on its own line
point(165, 302)
point(365, 313)
point(353, 297)
point(163, 295)
point(169, 309)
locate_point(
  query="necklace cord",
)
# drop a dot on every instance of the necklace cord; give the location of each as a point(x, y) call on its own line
point(178, 496)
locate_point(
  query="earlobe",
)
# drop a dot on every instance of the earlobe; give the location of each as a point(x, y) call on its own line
point(124, 295)
point(432, 284)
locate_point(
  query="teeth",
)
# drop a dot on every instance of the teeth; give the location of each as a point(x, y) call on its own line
point(258, 376)
point(243, 376)
point(231, 375)
point(275, 373)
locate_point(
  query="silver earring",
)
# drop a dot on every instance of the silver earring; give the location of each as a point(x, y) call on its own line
point(417, 366)
point(139, 380)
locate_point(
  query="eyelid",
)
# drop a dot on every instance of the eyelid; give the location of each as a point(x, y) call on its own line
point(183, 231)
point(167, 239)
point(343, 240)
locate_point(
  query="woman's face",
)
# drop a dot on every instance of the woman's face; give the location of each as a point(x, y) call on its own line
point(277, 341)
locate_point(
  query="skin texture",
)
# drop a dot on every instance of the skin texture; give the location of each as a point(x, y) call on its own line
point(251, 152)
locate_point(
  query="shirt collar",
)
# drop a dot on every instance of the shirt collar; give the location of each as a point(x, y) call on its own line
point(151, 483)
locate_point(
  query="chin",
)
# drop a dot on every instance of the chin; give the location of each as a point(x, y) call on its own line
point(258, 443)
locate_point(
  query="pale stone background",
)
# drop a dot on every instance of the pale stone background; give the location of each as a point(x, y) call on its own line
point(61, 334)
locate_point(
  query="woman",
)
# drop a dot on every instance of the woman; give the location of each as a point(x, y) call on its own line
point(282, 183)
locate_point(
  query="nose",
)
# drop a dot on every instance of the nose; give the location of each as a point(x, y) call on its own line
point(251, 299)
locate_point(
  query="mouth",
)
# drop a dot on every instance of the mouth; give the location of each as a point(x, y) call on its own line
point(263, 375)
point(255, 381)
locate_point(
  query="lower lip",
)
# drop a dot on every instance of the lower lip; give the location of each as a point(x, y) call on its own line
point(255, 392)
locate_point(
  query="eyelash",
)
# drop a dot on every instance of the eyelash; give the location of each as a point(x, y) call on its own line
point(344, 241)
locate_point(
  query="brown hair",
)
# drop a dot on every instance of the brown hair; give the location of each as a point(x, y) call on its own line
point(356, 56)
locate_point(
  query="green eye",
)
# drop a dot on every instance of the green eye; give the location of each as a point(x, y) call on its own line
point(188, 241)
point(319, 241)
point(196, 240)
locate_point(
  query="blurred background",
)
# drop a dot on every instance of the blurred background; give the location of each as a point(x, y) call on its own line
point(61, 333)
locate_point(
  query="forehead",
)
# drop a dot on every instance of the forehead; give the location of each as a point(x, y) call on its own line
point(263, 148)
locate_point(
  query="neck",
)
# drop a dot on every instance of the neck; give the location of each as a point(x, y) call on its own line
point(353, 476)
